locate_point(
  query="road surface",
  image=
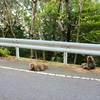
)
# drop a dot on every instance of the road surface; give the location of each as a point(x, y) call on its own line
point(17, 82)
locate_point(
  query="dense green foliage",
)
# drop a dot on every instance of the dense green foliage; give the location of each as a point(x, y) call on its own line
point(4, 52)
point(16, 21)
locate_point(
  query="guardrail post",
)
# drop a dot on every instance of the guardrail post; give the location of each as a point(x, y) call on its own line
point(65, 58)
point(17, 52)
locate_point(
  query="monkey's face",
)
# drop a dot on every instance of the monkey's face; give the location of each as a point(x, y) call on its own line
point(31, 66)
point(89, 58)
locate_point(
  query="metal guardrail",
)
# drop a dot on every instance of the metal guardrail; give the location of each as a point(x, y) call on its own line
point(65, 47)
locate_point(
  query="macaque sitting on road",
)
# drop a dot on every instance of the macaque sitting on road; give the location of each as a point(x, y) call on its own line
point(90, 63)
point(37, 66)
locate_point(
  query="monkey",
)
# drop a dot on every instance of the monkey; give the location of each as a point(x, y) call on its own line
point(37, 66)
point(90, 63)
point(85, 66)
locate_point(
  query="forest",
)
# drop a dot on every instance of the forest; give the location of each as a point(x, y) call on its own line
point(53, 20)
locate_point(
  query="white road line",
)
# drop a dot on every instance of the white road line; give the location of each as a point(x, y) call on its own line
point(97, 79)
point(41, 73)
point(83, 78)
point(60, 75)
point(87, 78)
point(92, 79)
point(76, 77)
point(51, 74)
point(68, 76)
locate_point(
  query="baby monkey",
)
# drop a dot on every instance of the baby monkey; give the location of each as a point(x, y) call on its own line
point(85, 66)
point(37, 66)
point(90, 63)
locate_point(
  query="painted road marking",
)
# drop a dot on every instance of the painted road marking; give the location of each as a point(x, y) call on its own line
point(76, 77)
point(51, 74)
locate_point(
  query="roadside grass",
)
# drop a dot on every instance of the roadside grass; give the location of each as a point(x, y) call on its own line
point(53, 64)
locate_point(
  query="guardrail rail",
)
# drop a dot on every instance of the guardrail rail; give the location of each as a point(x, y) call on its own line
point(57, 46)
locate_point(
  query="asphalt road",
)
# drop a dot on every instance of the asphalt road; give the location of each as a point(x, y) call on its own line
point(17, 82)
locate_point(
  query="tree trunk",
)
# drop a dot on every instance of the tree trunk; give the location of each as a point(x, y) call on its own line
point(43, 55)
point(78, 25)
point(62, 28)
point(8, 15)
point(69, 21)
point(32, 27)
